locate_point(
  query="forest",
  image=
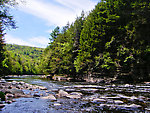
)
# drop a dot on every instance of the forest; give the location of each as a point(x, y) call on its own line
point(112, 40)
point(23, 59)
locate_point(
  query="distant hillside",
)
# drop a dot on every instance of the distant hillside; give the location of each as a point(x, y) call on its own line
point(24, 59)
point(26, 51)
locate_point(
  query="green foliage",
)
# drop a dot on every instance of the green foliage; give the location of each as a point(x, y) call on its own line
point(59, 56)
point(23, 59)
point(115, 35)
point(6, 21)
point(2, 96)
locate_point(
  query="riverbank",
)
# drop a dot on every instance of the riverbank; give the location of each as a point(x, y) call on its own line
point(74, 97)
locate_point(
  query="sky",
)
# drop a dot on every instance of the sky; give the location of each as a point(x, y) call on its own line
point(36, 19)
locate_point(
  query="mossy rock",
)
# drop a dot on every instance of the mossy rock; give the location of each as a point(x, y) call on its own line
point(2, 96)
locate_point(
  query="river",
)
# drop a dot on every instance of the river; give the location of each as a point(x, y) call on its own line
point(95, 98)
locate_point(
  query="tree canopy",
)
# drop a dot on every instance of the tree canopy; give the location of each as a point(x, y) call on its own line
point(113, 38)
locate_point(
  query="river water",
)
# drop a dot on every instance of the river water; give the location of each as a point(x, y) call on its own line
point(96, 98)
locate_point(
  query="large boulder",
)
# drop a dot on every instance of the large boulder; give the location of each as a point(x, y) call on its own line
point(15, 91)
point(62, 93)
point(2, 105)
point(50, 97)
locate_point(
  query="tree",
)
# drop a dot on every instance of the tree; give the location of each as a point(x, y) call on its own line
point(112, 38)
point(6, 21)
point(54, 34)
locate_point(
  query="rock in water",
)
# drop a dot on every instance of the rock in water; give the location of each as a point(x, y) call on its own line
point(74, 96)
point(2, 105)
point(50, 97)
point(97, 100)
point(14, 91)
point(62, 93)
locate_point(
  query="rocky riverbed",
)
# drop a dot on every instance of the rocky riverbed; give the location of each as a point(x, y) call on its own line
point(74, 97)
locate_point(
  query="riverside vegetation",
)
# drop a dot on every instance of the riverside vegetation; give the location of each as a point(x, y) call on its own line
point(111, 41)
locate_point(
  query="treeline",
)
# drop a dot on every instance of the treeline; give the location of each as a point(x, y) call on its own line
point(113, 39)
point(22, 59)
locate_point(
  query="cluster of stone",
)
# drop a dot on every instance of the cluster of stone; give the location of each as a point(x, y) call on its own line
point(16, 89)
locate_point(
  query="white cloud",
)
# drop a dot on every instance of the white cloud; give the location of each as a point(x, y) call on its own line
point(33, 42)
point(56, 14)
point(78, 4)
point(15, 40)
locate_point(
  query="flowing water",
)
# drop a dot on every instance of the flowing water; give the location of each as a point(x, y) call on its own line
point(87, 102)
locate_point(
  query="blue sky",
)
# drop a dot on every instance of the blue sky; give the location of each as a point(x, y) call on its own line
point(36, 19)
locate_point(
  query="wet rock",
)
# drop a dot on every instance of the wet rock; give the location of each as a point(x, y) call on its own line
point(17, 95)
point(2, 81)
point(26, 96)
point(133, 98)
point(57, 104)
point(98, 101)
point(9, 95)
point(118, 102)
point(18, 86)
point(54, 90)
point(76, 93)
point(114, 98)
point(133, 107)
point(42, 88)
point(50, 97)
point(8, 101)
point(14, 82)
point(123, 96)
point(147, 110)
point(13, 100)
point(10, 87)
point(89, 90)
point(70, 90)
point(73, 96)
point(36, 95)
point(21, 83)
point(62, 93)
point(30, 88)
point(2, 105)
point(14, 91)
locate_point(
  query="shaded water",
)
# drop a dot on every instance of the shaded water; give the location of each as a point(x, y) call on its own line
point(84, 105)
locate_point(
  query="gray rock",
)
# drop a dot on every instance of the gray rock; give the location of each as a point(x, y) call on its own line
point(42, 88)
point(54, 90)
point(73, 96)
point(14, 91)
point(36, 95)
point(118, 102)
point(89, 90)
point(70, 90)
point(57, 104)
point(50, 97)
point(10, 95)
point(62, 93)
point(114, 98)
point(2, 81)
point(123, 96)
point(76, 93)
point(9, 102)
point(133, 98)
point(98, 100)
point(2, 105)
